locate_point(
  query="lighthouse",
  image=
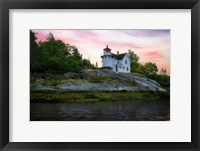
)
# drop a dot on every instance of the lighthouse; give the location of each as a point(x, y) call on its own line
point(115, 62)
point(107, 58)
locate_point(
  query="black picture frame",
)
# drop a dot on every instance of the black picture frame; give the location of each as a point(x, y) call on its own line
point(5, 5)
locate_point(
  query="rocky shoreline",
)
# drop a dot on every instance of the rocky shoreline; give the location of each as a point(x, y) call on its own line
point(95, 80)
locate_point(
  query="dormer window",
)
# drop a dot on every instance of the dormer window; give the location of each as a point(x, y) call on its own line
point(125, 61)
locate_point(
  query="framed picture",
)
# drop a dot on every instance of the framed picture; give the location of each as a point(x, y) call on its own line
point(86, 75)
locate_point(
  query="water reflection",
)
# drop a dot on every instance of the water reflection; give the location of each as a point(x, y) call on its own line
point(140, 110)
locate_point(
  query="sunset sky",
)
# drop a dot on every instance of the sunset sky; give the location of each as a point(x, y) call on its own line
point(149, 45)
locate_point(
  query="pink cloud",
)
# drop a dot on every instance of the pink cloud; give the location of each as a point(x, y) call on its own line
point(152, 55)
point(147, 33)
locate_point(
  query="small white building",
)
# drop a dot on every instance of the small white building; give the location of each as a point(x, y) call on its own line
point(116, 62)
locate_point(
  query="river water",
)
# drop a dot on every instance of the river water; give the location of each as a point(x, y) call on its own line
point(137, 110)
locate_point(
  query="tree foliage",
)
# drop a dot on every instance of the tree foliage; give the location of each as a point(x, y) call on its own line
point(163, 80)
point(54, 56)
point(34, 51)
point(134, 60)
point(150, 68)
point(87, 64)
point(140, 69)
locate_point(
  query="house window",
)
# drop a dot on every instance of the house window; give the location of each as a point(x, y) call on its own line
point(123, 67)
point(117, 62)
point(126, 61)
point(127, 68)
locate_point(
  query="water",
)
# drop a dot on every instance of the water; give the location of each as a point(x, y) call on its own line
point(138, 110)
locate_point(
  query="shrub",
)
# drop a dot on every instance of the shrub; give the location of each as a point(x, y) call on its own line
point(95, 79)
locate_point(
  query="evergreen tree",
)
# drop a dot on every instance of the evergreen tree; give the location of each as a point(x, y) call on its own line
point(96, 65)
point(34, 52)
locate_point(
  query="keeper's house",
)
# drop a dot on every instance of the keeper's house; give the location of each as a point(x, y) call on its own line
point(116, 62)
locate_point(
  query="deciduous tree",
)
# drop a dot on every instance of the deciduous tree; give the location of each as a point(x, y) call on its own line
point(150, 68)
point(134, 60)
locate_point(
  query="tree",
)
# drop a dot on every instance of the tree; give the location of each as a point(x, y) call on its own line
point(87, 64)
point(163, 80)
point(163, 71)
point(53, 56)
point(58, 57)
point(96, 65)
point(74, 61)
point(34, 52)
point(150, 68)
point(140, 69)
point(50, 37)
point(134, 60)
point(56, 65)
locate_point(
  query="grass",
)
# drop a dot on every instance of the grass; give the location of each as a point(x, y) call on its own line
point(102, 79)
point(55, 82)
point(110, 80)
point(51, 83)
point(93, 97)
point(95, 79)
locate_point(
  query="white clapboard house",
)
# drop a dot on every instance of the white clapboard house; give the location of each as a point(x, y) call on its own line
point(116, 62)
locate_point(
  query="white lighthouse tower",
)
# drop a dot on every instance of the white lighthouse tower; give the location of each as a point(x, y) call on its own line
point(107, 58)
point(116, 62)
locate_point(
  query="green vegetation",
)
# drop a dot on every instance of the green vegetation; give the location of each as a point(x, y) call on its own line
point(56, 81)
point(55, 57)
point(149, 70)
point(94, 97)
point(164, 80)
point(51, 82)
point(95, 79)
point(103, 79)
point(146, 69)
point(134, 61)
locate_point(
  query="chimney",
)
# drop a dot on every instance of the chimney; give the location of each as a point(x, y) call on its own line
point(117, 52)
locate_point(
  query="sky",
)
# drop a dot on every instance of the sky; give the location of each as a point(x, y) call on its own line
point(150, 45)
